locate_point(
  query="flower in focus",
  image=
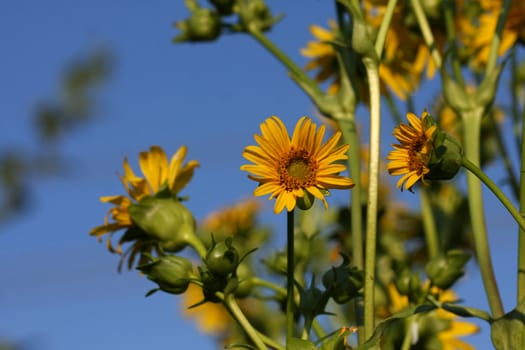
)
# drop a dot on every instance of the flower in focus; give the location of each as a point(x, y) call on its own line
point(288, 169)
point(159, 175)
point(441, 324)
point(411, 156)
point(323, 56)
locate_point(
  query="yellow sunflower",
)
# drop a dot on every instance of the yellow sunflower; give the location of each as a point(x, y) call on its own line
point(446, 326)
point(323, 56)
point(477, 33)
point(410, 157)
point(288, 169)
point(158, 176)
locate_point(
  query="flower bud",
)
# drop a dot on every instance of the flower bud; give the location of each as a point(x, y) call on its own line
point(343, 282)
point(222, 259)
point(444, 270)
point(306, 201)
point(166, 220)
point(212, 283)
point(445, 159)
point(408, 283)
point(312, 303)
point(203, 25)
point(255, 14)
point(172, 273)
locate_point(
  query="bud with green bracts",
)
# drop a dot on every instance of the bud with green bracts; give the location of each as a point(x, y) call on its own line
point(254, 14)
point(172, 273)
point(203, 25)
point(444, 270)
point(408, 283)
point(343, 282)
point(306, 201)
point(211, 284)
point(222, 259)
point(165, 220)
point(312, 303)
point(445, 158)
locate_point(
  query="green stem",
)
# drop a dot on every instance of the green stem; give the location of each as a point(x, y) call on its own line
point(383, 29)
point(298, 74)
point(290, 276)
point(521, 237)
point(475, 201)
point(496, 190)
point(407, 339)
point(235, 310)
point(372, 70)
point(496, 38)
point(264, 283)
point(448, 9)
point(426, 31)
point(429, 223)
point(198, 245)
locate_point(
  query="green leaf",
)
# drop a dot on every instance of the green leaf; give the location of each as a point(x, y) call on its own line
point(508, 332)
point(380, 328)
point(299, 344)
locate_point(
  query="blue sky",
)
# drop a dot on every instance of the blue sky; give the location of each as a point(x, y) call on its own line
point(60, 287)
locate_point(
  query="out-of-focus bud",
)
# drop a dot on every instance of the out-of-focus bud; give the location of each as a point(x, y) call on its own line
point(166, 220)
point(343, 282)
point(255, 15)
point(222, 259)
point(312, 303)
point(172, 273)
point(224, 7)
point(203, 25)
point(408, 283)
point(444, 270)
point(212, 283)
point(245, 285)
point(446, 156)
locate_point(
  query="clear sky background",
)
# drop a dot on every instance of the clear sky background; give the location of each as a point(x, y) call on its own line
point(60, 289)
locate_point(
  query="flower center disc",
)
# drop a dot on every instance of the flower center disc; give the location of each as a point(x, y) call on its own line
point(297, 170)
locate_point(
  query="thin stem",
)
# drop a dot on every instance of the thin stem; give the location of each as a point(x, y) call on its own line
point(496, 38)
point(451, 37)
point(426, 31)
point(290, 276)
point(407, 339)
point(372, 70)
point(298, 74)
point(383, 29)
point(496, 190)
point(475, 200)
point(235, 310)
point(264, 283)
point(521, 237)
point(429, 224)
point(198, 245)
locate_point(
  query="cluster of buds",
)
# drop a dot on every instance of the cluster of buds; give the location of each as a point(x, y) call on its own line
point(207, 23)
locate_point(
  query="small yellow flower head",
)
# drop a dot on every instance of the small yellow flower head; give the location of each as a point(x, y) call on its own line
point(411, 156)
point(290, 168)
point(159, 176)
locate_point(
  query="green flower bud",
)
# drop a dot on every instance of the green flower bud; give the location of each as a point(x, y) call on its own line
point(312, 302)
point(224, 7)
point(254, 14)
point(245, 285)
point(306, 201)
point(408, 283)
point(445, 160)
point(444, 270)
point(165, 220)
point(203, 25)
point(222, 259)
point(343, 282)
point(212, 283)
point(172, 273)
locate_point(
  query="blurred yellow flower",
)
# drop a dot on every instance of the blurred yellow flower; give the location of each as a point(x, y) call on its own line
point(454, 329)
point(239, 217)
point(410, 157)
point(323, 56)
point(478, 32)
point(158, 176)
point(211, 318)
point(288, 169)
